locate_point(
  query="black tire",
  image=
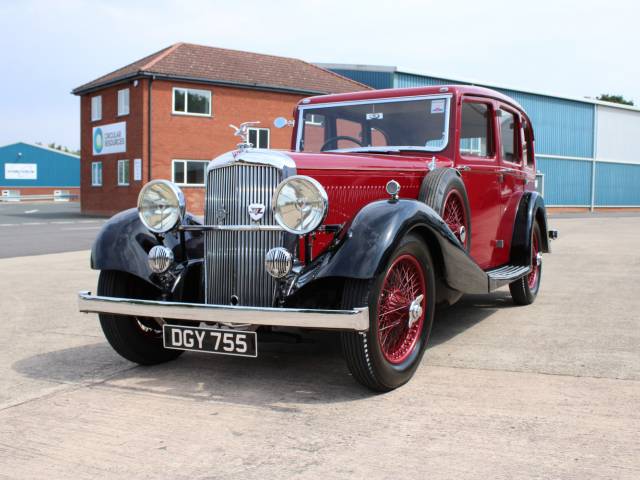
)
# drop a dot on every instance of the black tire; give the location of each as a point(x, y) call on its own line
point(362, 350)
point(435, 191)
point(136, 339)
point(522, 290)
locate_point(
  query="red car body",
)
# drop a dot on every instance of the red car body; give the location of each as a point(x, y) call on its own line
point(494, 184)
point(437, 200)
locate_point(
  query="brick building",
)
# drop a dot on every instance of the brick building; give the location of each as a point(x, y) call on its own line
point(168, 114)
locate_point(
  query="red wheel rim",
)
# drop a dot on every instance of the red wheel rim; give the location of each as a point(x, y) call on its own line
point(454, 215)
point(398, 332)
point(534, 275)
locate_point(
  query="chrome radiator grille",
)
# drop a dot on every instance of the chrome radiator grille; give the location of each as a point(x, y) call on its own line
point(234, 261)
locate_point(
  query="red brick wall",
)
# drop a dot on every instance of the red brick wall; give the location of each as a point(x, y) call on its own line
point(111, 198)
point(173, 136)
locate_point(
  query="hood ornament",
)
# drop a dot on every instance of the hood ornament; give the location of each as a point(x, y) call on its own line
point(243, 132)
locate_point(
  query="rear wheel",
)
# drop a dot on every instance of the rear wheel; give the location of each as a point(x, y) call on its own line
point(524, 290)
point(401, 308)
point(138, 339)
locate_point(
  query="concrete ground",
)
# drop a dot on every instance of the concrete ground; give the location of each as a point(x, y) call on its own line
point(37, 228)
point(546, 391)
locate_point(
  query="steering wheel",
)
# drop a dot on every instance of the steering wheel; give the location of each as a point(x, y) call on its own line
point(339, 137)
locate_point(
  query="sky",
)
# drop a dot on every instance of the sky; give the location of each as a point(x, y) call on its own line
point(572, 48)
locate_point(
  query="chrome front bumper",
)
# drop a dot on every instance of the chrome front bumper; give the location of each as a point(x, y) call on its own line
point(355, 319)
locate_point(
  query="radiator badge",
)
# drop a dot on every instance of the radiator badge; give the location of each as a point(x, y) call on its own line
point(256, 211)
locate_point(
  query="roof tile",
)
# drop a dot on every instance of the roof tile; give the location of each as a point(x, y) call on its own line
point(212, 64)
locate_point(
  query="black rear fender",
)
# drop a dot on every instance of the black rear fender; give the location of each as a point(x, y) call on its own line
point(531, 209)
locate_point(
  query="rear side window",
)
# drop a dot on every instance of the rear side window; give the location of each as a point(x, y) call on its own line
point(525, 135)
point(475, 131)
point(508, 143)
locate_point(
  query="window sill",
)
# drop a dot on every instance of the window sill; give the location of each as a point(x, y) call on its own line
point(123, 185)
point(191, 185)
point(122, 115)
point(184, 114)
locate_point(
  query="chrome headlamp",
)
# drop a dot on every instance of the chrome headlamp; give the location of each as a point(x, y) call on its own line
point(161, 205)
point(300, 204)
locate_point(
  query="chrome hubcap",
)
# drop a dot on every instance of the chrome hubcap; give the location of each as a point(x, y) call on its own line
point(415, 310)
point(539, 259)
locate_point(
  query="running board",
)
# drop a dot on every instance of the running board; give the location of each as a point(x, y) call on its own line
point(505, 275)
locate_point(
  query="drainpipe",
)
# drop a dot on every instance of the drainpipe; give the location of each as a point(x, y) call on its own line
point(151, 79)
point(594, 155)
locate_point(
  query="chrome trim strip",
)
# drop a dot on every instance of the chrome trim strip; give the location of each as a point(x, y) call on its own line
point(233, 228)
point(355, 319)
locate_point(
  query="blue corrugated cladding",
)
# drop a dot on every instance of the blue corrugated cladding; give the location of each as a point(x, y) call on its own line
point(562, 127)
point(54, 169)
point(408, 80)
point(566, 182)
point(617, 184)
point(378, 80)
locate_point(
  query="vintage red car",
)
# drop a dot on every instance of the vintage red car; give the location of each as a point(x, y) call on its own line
point(388, 203)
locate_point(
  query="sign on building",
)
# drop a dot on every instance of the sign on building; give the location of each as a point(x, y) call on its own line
point(20, 171)
point(111, 138)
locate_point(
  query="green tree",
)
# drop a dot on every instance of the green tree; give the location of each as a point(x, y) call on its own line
point(605, 97)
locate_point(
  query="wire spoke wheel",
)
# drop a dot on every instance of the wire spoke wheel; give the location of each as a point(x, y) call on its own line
point(454, 215)
point(536, 260)
point(401, 308)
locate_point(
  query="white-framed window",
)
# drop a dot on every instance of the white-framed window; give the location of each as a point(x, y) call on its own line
point(314, 119)
point(189, 172)
point(123, 172)
point(96, 174)
point(189, 101)
point(123, 102)
point(96, 108)
point(259, 137)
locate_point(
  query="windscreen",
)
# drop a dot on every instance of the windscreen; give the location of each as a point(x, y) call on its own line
point(411, 124)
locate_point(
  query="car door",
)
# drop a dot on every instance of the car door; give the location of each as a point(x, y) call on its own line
point(511, 177)
point(477, 162)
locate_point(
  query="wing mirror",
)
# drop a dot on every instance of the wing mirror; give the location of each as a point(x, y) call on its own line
point(282, 122)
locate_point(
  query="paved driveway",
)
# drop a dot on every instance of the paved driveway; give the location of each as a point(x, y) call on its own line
point(546, 391)
point(39, 228)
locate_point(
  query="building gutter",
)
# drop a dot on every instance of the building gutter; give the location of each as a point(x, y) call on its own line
point(158, 76)
point(149, 123)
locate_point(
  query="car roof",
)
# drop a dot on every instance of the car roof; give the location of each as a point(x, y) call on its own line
point(457, 90)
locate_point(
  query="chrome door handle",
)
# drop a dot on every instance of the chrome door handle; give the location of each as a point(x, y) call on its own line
point(463, 168)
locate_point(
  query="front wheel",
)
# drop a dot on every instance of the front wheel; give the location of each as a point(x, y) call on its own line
point(138, 339)
point(525, 290)
point(401, 304)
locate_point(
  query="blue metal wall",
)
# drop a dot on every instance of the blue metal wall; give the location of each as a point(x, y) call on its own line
point(562, 128)
point(617, 184)
point(55, 169)
point(566, 182)
point(378, 80)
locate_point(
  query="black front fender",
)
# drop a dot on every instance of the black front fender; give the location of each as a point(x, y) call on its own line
point(375, 233)
point(124, 242)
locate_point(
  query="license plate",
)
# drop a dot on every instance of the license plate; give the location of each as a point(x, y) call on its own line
point(210, 340)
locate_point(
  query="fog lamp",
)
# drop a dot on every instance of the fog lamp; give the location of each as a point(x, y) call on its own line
point(160, 259)
point(278, 262)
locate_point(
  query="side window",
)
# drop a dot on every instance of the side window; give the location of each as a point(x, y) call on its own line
point(508, 142)
point(476, 132)
point(525, 136)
